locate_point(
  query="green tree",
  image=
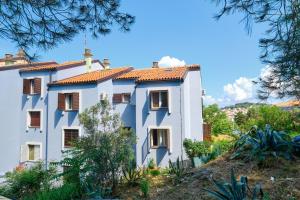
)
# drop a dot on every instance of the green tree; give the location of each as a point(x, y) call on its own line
point(240, 118)
point(220, 123)
point(97, 158)
point(45, 24)
point(280, 47)
point(276, 117)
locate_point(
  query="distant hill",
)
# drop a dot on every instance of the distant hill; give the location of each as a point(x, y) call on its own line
point(243, 105)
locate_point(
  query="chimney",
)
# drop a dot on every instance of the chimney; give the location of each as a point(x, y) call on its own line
point(8, 59)
point(88, 56)
point(21, 53)
point(155, 64)
point(106, 63)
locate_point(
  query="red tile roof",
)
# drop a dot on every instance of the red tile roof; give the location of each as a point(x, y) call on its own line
point(26, 66)
point(159, 74)
point(93, 77)
point(55, 66)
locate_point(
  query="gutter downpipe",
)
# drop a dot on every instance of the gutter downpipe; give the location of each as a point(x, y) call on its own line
point(181, 123)
point(47, 122)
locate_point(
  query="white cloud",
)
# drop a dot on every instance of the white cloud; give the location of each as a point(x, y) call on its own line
point(241, 90)
point(168, 61)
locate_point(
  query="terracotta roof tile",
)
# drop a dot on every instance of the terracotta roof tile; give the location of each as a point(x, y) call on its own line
point(93, 77)
point(56, 66)
point(159, 74)
point(291, 103)
point(27, 66)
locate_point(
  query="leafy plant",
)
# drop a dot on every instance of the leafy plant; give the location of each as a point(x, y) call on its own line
point(259, 144)
point(219, 148)
point(235, 190)
point(27, 182)
point(196, 148)
point(65, 192)
point(151, 164)
point(145, 186)
point(131, 173)
point(177, 169)
point(154, 172)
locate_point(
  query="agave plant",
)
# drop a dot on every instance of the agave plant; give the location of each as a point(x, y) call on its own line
point(235, 190)
point(177, 169)
point(259, 144)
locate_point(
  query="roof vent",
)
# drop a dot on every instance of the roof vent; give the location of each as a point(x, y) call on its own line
point(155, 64)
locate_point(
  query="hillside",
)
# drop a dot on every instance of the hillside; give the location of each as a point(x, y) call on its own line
point(286, 184)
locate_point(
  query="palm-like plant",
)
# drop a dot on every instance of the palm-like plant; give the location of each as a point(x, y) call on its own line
point(235, 190)
point(259, 144)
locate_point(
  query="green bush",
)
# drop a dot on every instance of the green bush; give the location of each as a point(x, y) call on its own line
point(220, 148)
point(145, 186)
point(151, 164)
point(196, 148)
point(154, 172)
point(65, 192)
point(27, 182)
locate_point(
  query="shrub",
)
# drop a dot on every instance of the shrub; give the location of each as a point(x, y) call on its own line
point(131, 173)
point(154, 172)
point(27, 182)
point(196, 148)
point(145, 186)
point(177, 169)
point(65, 192)
point(235, 190)
point(151, 164)
point(259, 144)
point(220, 147)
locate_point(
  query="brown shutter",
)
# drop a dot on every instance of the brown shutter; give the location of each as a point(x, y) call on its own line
point(75, 101)
point(61, 101)
point(117, 98)
point(35, 119)
point(26, 86)
point(168, 139)
point(37, 86)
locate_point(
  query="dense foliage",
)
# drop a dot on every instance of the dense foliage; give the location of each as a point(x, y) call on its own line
point(196, 148)
point(260, 144)
point(235, 190)
point(220, 124)
point(267, 114)
point(45, 24)
point(95, 162)
point(281, 45)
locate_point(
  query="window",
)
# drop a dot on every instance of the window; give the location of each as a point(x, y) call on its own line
point(34, 119)
point(159, 99)
point(159, 138)
point(70, 135)
point(32, 86)
point(68, 101)
point(33, 152)
point(121, 98)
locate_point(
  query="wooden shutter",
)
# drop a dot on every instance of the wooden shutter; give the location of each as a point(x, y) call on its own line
point(75, 101)
point(35, 119)
point(37, 86)
point(61, 101)
point(26, 86)
point(117, 98)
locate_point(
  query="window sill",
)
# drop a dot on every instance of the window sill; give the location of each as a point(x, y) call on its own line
point(160, 108)
point(158, 147)
point(34, 127)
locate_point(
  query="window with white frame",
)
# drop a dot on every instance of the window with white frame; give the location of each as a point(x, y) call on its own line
point(70, 136)
point(34, 152)
point(159, 99)
point(159, 138)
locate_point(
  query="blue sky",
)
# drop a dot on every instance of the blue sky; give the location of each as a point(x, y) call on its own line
point(186, 31)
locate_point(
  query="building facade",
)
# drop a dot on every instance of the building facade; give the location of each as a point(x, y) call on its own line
point(42, 101)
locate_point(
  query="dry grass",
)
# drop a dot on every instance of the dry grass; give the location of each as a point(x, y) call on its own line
point(285, 186)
